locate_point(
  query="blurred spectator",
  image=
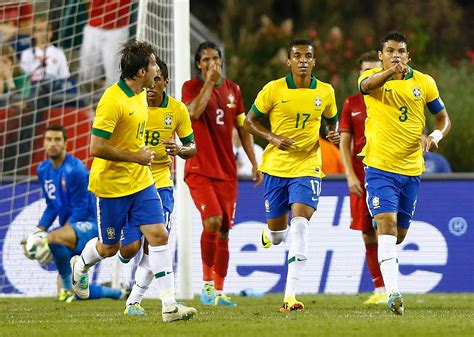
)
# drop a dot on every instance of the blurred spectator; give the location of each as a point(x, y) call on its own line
point(15, 23)
point(332, 162)
point(244, 166)
point(43, 61)
point(436, 163)
point(12, 78)
point(106, 31)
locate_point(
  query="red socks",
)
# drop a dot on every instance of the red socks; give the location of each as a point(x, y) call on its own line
point(373, 264)
point(208, 253)
point(222, 263)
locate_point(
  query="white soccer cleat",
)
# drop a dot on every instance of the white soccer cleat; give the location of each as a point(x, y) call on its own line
point(80, 281)
point(178, 312)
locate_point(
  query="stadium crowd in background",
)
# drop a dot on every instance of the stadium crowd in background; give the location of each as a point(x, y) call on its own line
point(216, 108)
point(395, 97)
point(291, 161)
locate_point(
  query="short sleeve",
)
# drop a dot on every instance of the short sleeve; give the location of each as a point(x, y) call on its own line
point(107, 115)
point(184, 128)
point(189, 91)
point(366, 74)
point(432, 92)
point(264, 101)
point(330, 110)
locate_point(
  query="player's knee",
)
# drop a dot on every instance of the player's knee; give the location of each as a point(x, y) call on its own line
point(157, 236)
point(386, 223)
point(213, 223)
point(107, 250)
point(129, 251)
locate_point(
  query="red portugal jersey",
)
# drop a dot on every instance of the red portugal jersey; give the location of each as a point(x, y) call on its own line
point(213, 129)
point(109, 14)
point(353, 121)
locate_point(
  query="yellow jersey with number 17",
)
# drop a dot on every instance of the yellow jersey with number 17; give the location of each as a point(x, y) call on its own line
point(120, 118)
point(172, 116)
point(395, 122)
point(295, 113)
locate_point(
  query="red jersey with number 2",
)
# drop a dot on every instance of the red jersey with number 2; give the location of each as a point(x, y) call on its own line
point(353, 121)
point(213, 129)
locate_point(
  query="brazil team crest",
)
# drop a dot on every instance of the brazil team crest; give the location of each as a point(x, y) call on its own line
point(168, 121)
point(417, 93)
point(110, 233)
point(231, 103)
point(318, 102)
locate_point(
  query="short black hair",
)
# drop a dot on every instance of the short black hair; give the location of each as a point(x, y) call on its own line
point(370, 56)
point(393, 36)
point(163, 68)
point(135, 55)
point(299, 42)
point(203, 46)
point(57, 127)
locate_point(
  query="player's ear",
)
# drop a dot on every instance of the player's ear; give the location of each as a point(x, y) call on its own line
point(288, 62)
point(198, 65)
point(380, 55)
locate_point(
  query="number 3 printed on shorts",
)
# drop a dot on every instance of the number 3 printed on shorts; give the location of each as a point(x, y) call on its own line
point(219, 117)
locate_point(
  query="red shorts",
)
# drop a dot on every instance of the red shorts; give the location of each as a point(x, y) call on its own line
point(213, 197)
point(361, 219)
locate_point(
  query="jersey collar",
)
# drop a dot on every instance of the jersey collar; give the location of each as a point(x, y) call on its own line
point(291, 84)
point(125, 88)
point(164, 103)
point(217, 85)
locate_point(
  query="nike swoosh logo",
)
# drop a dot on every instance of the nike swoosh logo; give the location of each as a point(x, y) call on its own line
point(300, 259)
point(131, 113)
point(380, 263)
point(283, 101)
point(388, 90)
point(355, 113)
point(314, 199)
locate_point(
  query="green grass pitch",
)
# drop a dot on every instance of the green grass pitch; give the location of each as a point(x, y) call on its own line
point(325, 315)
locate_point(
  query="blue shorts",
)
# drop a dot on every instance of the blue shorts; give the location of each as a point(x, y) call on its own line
point(281, 193)
point(131, 234)
point(85, 230)
point(389, 192)
point(141, 208)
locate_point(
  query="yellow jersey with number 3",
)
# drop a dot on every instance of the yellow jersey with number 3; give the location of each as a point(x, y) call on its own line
point(120, 118)
point(172, 116)
point(295, 113)
point(395, 122)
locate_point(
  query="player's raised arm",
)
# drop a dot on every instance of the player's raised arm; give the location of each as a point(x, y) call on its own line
point(99, 148)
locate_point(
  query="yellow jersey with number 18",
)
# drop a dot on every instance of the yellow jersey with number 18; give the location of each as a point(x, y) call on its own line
point(295, 113)
point(172, 116)
point(395, 122)
point(120, 118)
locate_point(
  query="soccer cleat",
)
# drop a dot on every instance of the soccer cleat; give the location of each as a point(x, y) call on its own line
point(377, 298)
point(291, 304)
point(66, 295)
point(266, 243)
point(134, 309)
point(223, 300)
point(395, 303)
point(208, 294)
point(80, 281)
point(178, 312)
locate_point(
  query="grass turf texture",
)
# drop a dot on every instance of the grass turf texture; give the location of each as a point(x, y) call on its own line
point(325, 315)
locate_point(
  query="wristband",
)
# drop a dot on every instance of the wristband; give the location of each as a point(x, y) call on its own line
point(437, 135)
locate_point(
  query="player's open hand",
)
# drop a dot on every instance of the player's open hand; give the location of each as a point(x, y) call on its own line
point(171, 148)
point(283, 143)
point(354, 185)
point(334, 137)
point(144, 156)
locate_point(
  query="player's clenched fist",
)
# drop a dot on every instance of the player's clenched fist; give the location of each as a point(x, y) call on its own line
point(283, 143)
point(144, 156)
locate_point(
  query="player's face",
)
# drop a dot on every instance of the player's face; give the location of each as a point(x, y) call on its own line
point(366, 65)
point(151, 72)
point(54, 144)
point(301, 61)
point(393, 52)
point(156, 91)
point(208, 56)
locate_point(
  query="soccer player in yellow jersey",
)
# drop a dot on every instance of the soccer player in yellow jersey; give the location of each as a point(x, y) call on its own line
point(166, 115)
point(396, 96)
point(121, 179)
point(291, 162)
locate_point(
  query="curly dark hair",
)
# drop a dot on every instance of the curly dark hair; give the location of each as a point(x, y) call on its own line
point(393, 36)
point(135, 55)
